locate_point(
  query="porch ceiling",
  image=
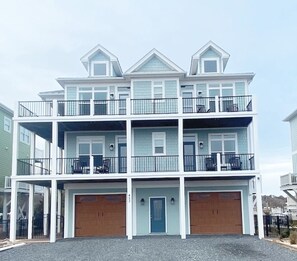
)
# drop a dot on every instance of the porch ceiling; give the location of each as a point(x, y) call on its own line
point(154, 123)
point(44, 129)
point(217, 122)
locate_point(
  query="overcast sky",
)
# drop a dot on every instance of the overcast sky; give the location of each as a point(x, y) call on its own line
point(43, 40)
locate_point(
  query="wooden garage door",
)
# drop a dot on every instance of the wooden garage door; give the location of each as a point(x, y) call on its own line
point(100, 215)
point(215, 213)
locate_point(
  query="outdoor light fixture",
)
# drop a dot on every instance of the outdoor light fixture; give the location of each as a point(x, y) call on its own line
point(172, 200)
point(201, 144)
point(111, 146)
point(142, 201)
point(111, 96)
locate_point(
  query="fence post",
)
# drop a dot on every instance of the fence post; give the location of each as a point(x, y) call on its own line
point(266, 225)
point(278, 224)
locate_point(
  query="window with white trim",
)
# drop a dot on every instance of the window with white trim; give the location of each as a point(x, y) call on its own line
point(7, 124)
point(226, 144)
point(100, 68)
point(24, 135)
point(158, 90)
point(159, 143)
point(210, 65)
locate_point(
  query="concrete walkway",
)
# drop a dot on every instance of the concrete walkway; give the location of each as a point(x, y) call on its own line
point(153, 248)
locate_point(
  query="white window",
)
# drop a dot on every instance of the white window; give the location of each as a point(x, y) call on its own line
point(100, 68)
point(7, 124)
point(158, 90)
point(159, 143)
point(88, 147)
point(210, 65)
point(226, 144)
point(24, 135)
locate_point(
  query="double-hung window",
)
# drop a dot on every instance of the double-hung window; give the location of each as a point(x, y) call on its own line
point(226, 144)
point(7, 124)
point(159, 143)
point(158, 90)
point(24, 135)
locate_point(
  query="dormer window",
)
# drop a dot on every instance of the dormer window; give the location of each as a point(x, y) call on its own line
point(100, 69)
point(210, 65)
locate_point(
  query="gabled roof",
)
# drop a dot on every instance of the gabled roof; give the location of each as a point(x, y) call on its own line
point(6, 109)
point(99, 48)
point(168, 65)
point(291, 116)
point(210, 45)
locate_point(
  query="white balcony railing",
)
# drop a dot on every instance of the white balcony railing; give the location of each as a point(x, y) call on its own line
point(288, 179)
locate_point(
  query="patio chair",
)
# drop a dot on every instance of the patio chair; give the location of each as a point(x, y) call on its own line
point(235, 163)
point(105, 166)
point(210, 164)
point(77, 167)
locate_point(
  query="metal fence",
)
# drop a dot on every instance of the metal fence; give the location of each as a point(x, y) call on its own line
point(274, 225)
point(154, 106)
point(40, 229)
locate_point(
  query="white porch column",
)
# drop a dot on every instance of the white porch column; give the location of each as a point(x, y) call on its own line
point(259, 207)
point(59, 211)
point(129, 146)
point(182, 208)
point(180, 145)
point(30, 210)
point(55, 147)
point(251, 206)
point(53, 211)
point(129, 209)
point(45, 210)
point(66, 213)
point(13, 210)
point(4, 217)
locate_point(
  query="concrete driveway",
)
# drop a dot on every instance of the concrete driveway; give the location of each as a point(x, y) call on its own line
point(153, 248)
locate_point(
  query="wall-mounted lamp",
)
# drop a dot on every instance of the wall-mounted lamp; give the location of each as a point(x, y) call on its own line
point(201, 144)
point(172, 201)
point(111, 146)
point(111, 96)
point(142, 201)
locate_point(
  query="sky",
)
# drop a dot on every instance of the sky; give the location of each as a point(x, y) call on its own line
point(44, 40)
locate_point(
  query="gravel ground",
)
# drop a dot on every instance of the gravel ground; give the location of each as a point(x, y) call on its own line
point(153, 248)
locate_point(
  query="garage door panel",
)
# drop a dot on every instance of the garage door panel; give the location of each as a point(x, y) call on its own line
point(215, 213)
point(100, 215)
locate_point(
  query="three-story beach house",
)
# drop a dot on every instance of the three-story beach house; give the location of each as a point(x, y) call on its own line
point(150, 151)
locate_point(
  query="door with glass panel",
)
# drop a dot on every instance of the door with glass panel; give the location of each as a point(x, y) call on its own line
point(84, 102)
point(225, 144)
point(122, 148)
point(189, 156)
point(86, 149)
point(157, 215)
point(100, 103)
point(188, 104)
point(123, 103)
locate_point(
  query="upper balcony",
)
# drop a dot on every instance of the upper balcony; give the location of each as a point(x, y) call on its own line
point(289, 179)
point(215, 163)
point(137, 107)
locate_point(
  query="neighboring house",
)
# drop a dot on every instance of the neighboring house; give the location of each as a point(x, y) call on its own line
point(289, 181)
point(146, 152)
point(6, 137)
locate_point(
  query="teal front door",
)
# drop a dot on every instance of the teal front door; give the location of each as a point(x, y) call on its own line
point(157, 206)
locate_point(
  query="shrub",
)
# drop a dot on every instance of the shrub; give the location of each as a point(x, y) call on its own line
point(285, 234)
point(293, 237)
